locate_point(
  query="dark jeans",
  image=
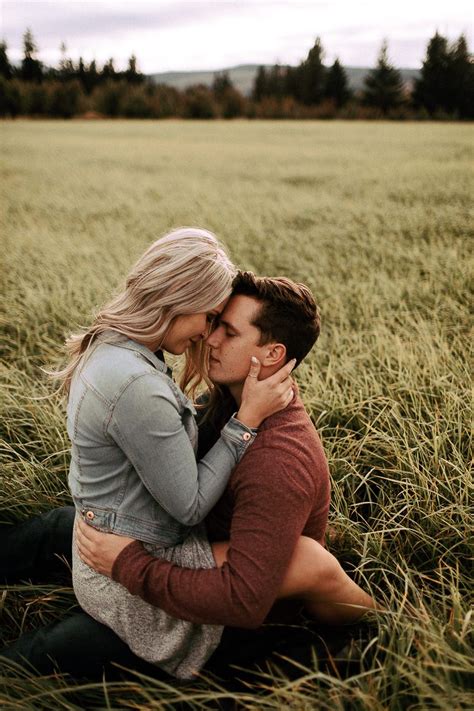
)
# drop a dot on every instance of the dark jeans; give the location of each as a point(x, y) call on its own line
point(40, 548)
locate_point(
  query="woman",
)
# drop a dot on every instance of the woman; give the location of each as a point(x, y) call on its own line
point(133, 468)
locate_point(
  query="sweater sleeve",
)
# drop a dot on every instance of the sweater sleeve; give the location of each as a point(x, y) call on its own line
point(272, 502)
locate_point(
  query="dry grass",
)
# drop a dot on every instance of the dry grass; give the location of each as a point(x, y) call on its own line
point(375, 217)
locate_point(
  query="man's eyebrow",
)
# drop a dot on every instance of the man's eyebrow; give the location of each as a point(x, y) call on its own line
point(222, 321)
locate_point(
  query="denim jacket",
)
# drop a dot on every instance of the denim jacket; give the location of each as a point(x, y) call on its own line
point(133, 433)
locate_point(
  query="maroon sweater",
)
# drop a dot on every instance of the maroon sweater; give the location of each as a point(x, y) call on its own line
point(279, 491)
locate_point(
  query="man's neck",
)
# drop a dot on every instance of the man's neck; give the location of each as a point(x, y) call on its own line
point(236, 392)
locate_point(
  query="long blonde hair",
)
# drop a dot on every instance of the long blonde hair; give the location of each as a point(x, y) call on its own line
point(184, 272)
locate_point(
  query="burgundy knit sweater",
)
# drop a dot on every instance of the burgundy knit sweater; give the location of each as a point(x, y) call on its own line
point(279, 491)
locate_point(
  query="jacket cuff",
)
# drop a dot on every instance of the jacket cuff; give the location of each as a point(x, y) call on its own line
point(239, 433)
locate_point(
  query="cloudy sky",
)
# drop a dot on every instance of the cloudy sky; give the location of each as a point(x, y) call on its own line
point(170, 35)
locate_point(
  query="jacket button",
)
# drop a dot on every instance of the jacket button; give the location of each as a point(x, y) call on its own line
point(90, 515)
point(246, 436)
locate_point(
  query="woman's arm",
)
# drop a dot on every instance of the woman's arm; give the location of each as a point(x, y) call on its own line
point(148, 427)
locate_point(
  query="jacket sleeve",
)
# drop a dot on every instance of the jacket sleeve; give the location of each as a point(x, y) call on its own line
point(146, 424)
point(271, 508)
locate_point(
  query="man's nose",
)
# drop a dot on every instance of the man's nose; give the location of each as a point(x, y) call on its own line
point(213, 339)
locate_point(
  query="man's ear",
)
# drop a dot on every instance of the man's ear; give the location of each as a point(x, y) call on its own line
point(276, 355)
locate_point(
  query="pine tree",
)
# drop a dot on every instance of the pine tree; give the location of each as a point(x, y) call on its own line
point(81, 72)
point(461, 80)
point(66, 65)
point(432, 88)
point(276, 82)
point(92, 77)
point(337, 85)
point(132, 75)
point(31, 68)
point(108, 71)
point(221, 84)
point(6, 69)
point(313, 75)
point(383, 86)
point(260, 85)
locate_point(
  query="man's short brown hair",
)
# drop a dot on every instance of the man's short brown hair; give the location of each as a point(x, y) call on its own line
point(288, 315)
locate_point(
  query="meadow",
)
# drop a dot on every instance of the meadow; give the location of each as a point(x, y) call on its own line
point(375, 218)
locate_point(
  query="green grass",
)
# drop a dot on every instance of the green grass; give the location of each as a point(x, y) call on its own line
point(375, 218)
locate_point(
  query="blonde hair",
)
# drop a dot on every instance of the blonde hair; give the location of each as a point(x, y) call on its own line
point(184, 272)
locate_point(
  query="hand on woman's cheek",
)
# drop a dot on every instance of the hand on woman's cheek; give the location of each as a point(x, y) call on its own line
point(99, 550)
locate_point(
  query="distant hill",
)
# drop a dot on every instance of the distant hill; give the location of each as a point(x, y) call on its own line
point(243, 77)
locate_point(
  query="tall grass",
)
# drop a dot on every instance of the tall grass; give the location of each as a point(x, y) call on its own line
point(375, 218)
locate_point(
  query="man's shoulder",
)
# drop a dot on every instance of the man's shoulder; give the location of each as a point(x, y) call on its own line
point(287, 447)
point(291, 425)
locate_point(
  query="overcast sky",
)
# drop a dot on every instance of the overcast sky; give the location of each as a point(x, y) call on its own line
point(170, 35)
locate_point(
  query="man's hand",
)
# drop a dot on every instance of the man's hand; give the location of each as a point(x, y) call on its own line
point(99, 550)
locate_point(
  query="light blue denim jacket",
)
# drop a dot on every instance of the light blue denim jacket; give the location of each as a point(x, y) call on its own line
point(133, 433)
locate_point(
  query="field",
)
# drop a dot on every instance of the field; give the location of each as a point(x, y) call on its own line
point(375, 218)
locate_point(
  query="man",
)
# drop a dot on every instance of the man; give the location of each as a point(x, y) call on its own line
point(278, 493)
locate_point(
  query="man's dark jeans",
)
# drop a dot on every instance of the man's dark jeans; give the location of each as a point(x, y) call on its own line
point(40, 550)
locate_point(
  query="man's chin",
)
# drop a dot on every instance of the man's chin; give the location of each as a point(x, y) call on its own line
point(216, 378)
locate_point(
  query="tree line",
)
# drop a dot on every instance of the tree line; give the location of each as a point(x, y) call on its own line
point(444, 89)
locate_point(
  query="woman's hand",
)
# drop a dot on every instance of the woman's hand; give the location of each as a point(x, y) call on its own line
point(97, 549)
point(262, 398)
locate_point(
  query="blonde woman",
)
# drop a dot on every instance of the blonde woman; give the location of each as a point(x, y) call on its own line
point(133, 467)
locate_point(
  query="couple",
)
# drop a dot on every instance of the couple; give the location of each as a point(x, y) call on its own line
point(147, 571)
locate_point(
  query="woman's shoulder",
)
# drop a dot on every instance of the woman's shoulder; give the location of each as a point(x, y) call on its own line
point(114, 367)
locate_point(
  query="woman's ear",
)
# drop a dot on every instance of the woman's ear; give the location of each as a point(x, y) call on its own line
point(276, 355)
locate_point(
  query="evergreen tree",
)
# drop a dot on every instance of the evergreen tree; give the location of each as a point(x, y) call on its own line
point(383, 86)
point(221, 84)
point(132, 75)
point(31, 68)
point(276, 80)
point(81, 72)
point(337, 85)
point(461, 80)
point(292, 82)
point(6, 69)
point(66, 65)
point(108, 71)
point(431, 89)
point(313, 75)
point(230, 100)
point(91, 77)
point(260, 85)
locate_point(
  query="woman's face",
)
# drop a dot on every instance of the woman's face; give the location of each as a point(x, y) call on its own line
point(190, 328)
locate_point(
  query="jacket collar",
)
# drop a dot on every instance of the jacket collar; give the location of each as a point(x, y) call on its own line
point(157, 359)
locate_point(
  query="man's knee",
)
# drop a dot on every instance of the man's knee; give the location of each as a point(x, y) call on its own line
point(319, 569)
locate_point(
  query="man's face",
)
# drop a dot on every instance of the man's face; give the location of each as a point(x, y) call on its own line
point(234, 341)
